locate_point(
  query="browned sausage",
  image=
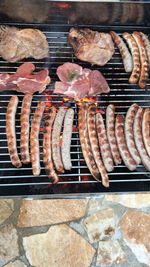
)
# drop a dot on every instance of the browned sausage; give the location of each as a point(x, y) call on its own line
point(125, 54)
point(135, 75)
point(120, 137)
point(56, 150)
point(10, 131)
point(146, 129)
point(143, 59)
point(25, 128)
point(137, 127)
point(91, 119)
point(34, 138)
point(85, 142)
point(129, 120)
point(103, 143)
point(147, 45)
point(110, 128)
point(47, 145)
point(66, 139)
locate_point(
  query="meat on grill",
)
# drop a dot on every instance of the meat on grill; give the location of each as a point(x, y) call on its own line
point(76, 82)
point(56, 134)
point(143, 59)
point(129, 136)
point(91, 46)
point(125, 54)
point(146, 129)
point(120, 137)
point(25, 128)
point(34, 138)
point(147, 45)
point(66, 139)
point(17, 44)
point(24, 80)
point(47, 145)
point(10, 131)
point(85, 142)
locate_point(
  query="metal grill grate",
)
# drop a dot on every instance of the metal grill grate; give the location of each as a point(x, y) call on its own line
point(20, 182)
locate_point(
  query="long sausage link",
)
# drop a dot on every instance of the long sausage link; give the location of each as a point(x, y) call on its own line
point(10, 131)
point(125, 54)
point(120, 137)
point(85, 143)
point(146, 129)
point(56, 150)
point(137, 127)
point(25, 128)
point(147, 45)
point(66, 139)
point(47, 145)
point(110, 128)
point(143, 59)
point(103, 143)
point(91, 119)
point(34, 138)
point(129, 120)
point(136, 57)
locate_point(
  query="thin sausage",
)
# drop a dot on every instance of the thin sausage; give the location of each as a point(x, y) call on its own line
point(120, 137)
point(34, 138)
point(143, 59)
point(146, 129)
point(125, 54)
point(25, 128)
point(110, 128)
point(147, 45)
point(137, 127)
point(66, 139)
point(56, 150)
point(103, 143)
point(129, 136)
point(136, 57)
point(10, 131)
point(47, 145)
point(91, 119)
point(85, 143)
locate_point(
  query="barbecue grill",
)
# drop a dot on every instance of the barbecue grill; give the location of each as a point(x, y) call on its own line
point(59, 18)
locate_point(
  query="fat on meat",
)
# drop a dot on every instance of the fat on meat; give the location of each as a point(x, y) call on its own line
point(24, 80)
point(76, 82)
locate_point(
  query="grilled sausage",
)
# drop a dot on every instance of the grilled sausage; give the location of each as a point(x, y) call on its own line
point(25, 128)
point(91, 120)
point(129, 136)
point(136, 57)
point(85, 143)
point(103, 143)
point(143, 59)
point(47, 145)
point(10, 131)
point(110, 128)
point(34, 138)
point(56, 150)
point(146, 129)
point(66, 139)
point(125, 54)
point(120, 137)
point(147, 45)
point(137, 127)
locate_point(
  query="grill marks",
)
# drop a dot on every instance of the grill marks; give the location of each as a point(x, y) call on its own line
point(11, 133)
point(47, 145)
point(25, 128)
point(34, 138)
point(146, 129)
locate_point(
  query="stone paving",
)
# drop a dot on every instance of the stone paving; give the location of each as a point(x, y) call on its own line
point(112, 230)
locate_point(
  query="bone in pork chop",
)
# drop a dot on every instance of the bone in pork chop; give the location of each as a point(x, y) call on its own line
point(91, 46)
point(76, 82)
point(16, 44)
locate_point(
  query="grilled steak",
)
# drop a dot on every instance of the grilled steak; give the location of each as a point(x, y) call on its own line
point(91, 46)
